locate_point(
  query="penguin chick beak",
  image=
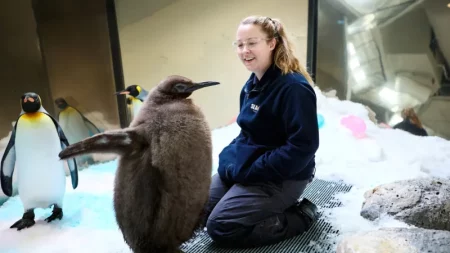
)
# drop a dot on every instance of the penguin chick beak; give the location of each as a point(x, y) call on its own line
point(122, 93)
point(201, 85)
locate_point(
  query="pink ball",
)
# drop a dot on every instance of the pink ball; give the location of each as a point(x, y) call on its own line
point(355, 124)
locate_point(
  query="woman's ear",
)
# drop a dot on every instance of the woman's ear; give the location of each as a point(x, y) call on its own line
point(272, 43)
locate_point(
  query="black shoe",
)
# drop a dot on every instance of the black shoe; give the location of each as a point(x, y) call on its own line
point(308, 209)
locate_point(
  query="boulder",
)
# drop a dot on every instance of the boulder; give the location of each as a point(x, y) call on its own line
point(396, 240)
point(424, 202)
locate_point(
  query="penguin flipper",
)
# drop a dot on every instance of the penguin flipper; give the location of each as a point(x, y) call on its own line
point(93, 129)
point(73, 168)
point(117, 141)
point(7, 165)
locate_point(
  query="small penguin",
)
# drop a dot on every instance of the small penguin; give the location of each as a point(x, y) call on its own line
point(164, 172)
point(135, 97)
point(36, 139)
point(76, 127)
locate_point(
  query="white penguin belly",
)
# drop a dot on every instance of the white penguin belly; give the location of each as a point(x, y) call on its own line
point(41, 175)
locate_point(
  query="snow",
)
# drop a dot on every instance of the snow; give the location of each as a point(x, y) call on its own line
point(383, 156)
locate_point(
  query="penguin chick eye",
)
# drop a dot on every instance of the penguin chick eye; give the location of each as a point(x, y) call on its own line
point(179, 87)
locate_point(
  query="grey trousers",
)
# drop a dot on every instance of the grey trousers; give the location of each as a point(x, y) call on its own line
point(254, 215)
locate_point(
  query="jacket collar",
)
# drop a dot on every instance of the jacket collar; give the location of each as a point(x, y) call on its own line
point(253, 85)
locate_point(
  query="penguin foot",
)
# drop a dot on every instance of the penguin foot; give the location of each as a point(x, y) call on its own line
point(57, 214)
point(23, 223)
point(26, 221)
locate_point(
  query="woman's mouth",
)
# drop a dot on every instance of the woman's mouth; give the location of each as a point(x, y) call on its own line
point(248, 59)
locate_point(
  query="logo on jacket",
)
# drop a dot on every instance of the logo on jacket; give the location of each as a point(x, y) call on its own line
point(254, 107)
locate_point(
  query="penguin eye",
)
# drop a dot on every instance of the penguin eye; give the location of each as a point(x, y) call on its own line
point(179, 87)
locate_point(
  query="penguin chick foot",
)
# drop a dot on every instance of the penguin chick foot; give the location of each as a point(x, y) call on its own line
point(26, 221)
point(57, 214)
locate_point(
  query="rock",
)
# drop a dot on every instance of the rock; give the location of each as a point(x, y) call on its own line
point(396, 240)
point(423, 202)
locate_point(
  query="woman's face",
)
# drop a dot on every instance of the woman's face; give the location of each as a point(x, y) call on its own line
point(254, 49)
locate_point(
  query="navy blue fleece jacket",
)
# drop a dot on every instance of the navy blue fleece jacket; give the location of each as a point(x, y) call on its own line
point(279, 132)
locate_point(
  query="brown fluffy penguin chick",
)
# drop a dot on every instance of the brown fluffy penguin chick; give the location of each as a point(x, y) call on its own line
point(164, 170)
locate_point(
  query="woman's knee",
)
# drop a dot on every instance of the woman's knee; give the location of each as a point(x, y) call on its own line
point(223, 232)
point(214, 230)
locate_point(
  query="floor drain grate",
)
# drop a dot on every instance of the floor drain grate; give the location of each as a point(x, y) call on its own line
point(321, 193)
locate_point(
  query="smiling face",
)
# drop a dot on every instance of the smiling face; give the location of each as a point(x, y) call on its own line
point(254, 48)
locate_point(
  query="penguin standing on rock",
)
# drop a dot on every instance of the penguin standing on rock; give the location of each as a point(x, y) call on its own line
point(164, 172)
point(135, 98)
point(36, 139)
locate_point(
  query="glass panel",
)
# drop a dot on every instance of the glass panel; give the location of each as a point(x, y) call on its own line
point(388, 55)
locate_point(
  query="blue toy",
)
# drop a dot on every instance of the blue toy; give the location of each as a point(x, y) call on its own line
point(320, 120)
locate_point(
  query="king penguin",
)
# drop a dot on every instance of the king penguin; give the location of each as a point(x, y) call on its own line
point(164, 171)
point(36, 139)
point(135, 97)
point(76, 127)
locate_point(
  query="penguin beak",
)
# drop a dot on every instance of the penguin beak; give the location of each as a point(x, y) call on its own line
point(26, 99)
point(201, 85)
point(124, 92)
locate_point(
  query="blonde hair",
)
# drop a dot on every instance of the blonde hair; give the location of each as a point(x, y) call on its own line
point(409, 114)
point(283, 55)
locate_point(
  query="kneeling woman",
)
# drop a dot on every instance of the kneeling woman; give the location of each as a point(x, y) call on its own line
point(265, 169)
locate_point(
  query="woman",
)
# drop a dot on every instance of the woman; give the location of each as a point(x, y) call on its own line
point(265, 169)
point(411, 123)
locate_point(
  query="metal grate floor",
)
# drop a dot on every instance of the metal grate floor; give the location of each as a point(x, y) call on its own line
point(321, 193)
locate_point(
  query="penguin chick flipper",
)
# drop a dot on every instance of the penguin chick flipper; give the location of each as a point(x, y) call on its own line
point(118, 142)
point(7, 165)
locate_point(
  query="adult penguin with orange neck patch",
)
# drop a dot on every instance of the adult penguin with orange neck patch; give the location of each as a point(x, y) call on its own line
point(35, 142)
point(164, 170)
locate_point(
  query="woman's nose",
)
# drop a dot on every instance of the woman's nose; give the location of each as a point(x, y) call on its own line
point(245, 49)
